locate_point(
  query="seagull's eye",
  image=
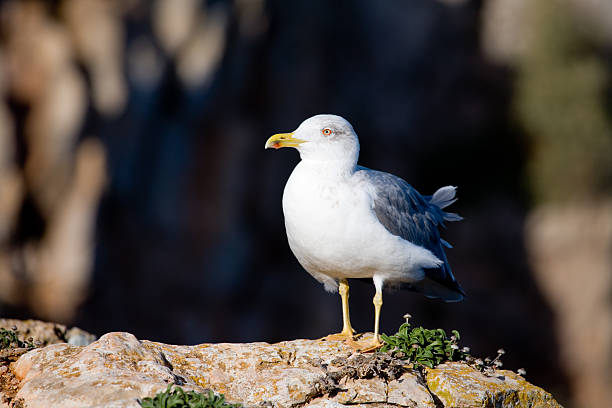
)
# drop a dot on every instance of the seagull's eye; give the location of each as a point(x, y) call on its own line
point(326, 131)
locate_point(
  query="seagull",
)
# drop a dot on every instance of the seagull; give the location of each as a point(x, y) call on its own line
point(345, 221)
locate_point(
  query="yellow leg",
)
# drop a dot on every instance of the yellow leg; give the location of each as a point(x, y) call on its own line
point(343, 289)
point(347, 330)
point(377, 306)
point(375, 343)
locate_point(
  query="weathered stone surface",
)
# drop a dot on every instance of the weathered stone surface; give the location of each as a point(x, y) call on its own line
point(458, 385)
point(48, 333)
point(41, 333)
point(410, 391)
point(118, 368)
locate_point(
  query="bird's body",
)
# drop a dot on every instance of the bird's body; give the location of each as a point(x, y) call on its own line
point(346, 221)
point(334, 232)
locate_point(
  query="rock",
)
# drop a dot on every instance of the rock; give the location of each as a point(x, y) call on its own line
point(48, 333)
point(459, 385)
point(42, 333)
point(118, 368)
point(9, 386)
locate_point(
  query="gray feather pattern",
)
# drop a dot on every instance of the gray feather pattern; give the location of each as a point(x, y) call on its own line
point(416, 218)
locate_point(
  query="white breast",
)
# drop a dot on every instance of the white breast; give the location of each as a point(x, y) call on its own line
point(332, 230)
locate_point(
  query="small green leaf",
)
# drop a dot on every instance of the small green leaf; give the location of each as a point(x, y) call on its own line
point(178, 398)
point(420, 346)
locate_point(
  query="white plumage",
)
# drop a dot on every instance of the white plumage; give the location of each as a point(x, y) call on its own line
point(346, 221)
point(334, 232)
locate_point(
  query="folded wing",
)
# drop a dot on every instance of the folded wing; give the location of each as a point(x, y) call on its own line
point(416, 218)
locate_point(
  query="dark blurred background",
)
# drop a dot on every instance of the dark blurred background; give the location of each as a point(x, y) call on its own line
point(135, 193)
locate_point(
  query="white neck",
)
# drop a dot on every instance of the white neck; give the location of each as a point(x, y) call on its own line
point(329, 169)
point(333, 161)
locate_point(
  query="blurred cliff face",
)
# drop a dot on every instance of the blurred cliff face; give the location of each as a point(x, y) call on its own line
point(562, 100)
point(50, 181)
point(135, 193)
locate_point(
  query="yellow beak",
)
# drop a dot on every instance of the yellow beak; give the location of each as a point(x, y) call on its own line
point(283, 140)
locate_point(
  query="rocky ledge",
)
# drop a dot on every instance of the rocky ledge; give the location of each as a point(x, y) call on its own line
point(118, 368)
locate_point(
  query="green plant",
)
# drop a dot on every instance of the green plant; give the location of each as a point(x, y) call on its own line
point(10, 339)
point(430, 347)
point(423, 347)
point(178, 398)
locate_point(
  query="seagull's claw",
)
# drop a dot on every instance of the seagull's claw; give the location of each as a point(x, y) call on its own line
point(371, 347)
point(367, 345)
point(349, 339)
point(343, 335)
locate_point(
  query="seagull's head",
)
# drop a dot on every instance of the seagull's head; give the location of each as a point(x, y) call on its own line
point(321, 137)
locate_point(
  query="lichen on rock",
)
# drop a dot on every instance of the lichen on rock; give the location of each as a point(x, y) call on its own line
point(118, 368)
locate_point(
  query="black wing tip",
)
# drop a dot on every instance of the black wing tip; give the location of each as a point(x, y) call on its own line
point(447, 297)
point(459, 296)
point(448, 291)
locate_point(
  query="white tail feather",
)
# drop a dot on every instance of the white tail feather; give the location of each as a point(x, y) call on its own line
point(452, 217)
point(444, 197)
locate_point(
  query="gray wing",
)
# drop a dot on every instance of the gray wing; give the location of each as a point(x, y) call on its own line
point(416, 218)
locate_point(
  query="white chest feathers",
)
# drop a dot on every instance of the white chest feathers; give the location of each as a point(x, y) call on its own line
point(332, 230)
